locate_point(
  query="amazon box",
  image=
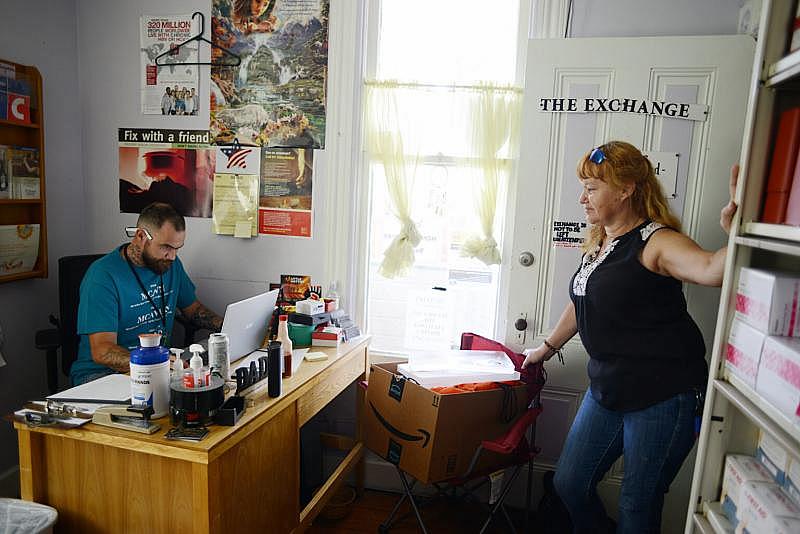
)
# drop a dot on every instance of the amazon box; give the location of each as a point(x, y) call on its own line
point(430, 436)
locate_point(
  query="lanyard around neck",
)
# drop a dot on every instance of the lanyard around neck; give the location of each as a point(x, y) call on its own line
point(161, 312)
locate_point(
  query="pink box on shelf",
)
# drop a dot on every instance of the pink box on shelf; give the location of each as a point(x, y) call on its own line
point(779, 375)
point(744, 351)
point(768, 301)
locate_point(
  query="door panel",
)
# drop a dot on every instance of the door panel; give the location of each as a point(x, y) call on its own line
point(713, 71)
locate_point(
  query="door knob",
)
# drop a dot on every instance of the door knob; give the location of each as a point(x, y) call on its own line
point(521, 324)
point(526, 259)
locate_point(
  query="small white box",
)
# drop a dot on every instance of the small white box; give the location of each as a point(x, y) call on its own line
point(768, 300)
point(744, 351)
point(740, 468)
point(310, 306)
point(761, 504)
point(773, 456)
point(779, 375)
point(792, 482)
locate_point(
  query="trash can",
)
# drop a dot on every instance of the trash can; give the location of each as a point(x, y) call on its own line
point(18, 517)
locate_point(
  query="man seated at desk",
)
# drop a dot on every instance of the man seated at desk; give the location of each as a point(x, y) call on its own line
point(135, 289)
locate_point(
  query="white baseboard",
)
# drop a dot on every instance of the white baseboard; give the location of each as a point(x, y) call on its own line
point(9, 483)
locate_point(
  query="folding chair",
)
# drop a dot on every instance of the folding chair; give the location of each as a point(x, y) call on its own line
point(513, 450)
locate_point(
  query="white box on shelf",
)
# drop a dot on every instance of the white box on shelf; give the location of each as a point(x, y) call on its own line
point(739, 468)
point(779, 375)
point(792, 482)
point(768, 301)
point(773, 456)
point(762, 503)
point(744, 351)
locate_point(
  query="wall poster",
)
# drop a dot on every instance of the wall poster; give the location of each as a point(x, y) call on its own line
point(277, 95)
point(285, 191)
point(174, 166)
point(173, 89)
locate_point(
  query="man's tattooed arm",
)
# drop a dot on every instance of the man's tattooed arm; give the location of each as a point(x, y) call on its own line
point(202, 317)
point(105, 351)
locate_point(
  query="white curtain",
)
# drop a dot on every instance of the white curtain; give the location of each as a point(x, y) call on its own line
point(495, 120)
point(385, 144)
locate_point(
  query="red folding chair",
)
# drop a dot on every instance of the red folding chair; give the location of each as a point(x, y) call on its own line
point(513, 449)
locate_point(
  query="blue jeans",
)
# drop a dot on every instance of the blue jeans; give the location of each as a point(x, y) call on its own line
point(655, 441)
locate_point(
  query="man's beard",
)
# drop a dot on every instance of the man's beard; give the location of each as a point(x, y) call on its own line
point(155, 265)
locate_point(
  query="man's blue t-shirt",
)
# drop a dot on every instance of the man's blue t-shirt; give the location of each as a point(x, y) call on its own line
point(112, 301)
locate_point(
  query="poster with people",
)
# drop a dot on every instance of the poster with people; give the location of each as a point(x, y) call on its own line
point(173, 166)
point(285, 191)
point(171, 89)
point(276, 97)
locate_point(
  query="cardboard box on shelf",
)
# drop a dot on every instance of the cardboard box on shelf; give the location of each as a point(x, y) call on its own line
point(768, 301)
point(432, 437)
point(739, 468)
point(779, 375)
point(743, 352)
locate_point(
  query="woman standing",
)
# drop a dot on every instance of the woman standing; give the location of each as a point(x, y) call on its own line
point(647, 367)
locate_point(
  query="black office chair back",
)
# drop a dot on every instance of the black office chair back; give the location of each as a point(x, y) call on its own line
point(71, 270)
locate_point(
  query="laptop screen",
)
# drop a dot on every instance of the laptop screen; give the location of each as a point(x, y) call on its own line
point(246, 323)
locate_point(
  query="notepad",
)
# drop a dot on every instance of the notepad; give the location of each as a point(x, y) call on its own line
point(110, 389)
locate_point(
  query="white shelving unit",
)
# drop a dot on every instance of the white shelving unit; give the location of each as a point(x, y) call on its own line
point(734, 412)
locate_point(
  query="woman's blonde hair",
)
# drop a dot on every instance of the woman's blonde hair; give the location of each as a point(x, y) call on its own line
point(625, 165)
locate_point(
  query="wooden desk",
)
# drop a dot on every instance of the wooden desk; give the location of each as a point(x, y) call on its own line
point(243, 478)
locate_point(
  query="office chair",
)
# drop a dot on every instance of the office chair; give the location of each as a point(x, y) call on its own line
point(512, 450)
point(71, 270)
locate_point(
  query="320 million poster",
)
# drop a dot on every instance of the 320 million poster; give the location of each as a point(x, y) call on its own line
point(276, 96)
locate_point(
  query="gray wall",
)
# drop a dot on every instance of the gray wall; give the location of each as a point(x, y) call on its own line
point(43, 34)
point(87, 53)
point(633, 18)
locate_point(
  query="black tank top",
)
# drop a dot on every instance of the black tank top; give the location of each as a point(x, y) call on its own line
point(643, 346)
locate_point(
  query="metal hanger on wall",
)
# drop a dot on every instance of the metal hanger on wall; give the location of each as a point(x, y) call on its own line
point(235, 59)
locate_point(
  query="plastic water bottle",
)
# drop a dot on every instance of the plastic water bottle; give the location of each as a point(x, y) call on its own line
point(150, 374)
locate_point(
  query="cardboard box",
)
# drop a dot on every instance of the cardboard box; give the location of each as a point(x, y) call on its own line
point(779, 375)
point(739, 468)
point(743, 352)
point(768, 301)
point(773, 456)
point(762, 504)
point(432, 437)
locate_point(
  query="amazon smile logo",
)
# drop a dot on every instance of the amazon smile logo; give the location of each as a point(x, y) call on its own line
point(423, 435)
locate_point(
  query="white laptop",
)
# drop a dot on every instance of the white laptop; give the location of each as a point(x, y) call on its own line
point(246, 323)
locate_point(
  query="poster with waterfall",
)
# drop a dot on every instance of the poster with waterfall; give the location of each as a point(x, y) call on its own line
point(276, 96)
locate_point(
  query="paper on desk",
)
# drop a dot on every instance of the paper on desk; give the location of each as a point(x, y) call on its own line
point(110, 389)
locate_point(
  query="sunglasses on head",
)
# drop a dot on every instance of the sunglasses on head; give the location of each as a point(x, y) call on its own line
point(130, 231)
point(597, 156)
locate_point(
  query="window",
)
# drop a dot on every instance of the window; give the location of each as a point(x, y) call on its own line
point(435, 57)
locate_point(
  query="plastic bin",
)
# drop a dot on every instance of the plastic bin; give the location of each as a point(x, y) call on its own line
point(18, 517)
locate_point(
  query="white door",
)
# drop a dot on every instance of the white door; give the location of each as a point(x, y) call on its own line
point(711, 71)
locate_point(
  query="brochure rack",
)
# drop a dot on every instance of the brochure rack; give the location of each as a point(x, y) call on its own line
point(21, 125)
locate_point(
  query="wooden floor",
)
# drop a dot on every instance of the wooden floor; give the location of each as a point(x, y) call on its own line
point(372, 508)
